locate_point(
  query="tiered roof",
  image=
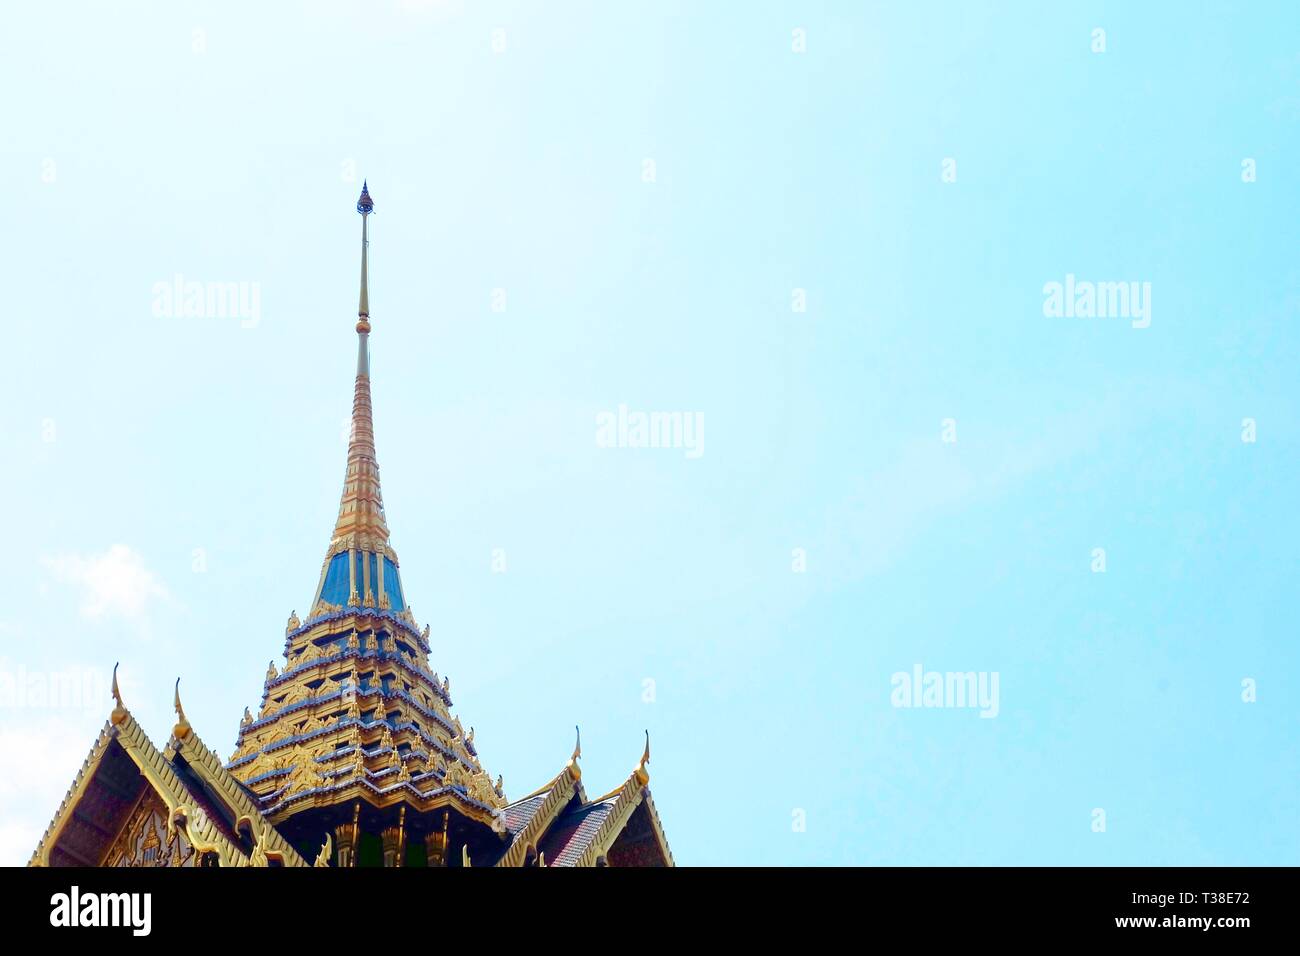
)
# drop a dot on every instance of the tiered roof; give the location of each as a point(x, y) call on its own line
point(356, 718)
point(358, 712)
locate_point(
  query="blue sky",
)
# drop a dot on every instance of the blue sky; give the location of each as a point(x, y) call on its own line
point(227, 143)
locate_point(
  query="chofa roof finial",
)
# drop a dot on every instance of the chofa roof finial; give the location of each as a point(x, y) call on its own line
point(119, 712)
point(572, 765)
point(182, 728)
point(641, 773)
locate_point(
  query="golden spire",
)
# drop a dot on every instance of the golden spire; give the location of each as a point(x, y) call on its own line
point(361, 525)
point(119, 712)
point(182, 728)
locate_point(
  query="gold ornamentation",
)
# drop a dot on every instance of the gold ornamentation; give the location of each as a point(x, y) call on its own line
point(456, 776)
point(322, 608)
point(480, 789)
point(642, 775)
point(258, 857)
point(436, 844)
point(182, 728)
point(303, 777)
point(119, 713)
point(572, 765)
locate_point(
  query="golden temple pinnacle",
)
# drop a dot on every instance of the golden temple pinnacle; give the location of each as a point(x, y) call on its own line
point(361, 533)
point(353, 757)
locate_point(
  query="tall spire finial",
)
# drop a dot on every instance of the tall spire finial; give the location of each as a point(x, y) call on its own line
point(365, 206)
point(361, 568)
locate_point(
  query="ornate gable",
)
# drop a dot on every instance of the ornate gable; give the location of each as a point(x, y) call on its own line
point(131, 805)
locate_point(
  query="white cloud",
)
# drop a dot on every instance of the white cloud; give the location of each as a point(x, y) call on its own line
point(114, 584)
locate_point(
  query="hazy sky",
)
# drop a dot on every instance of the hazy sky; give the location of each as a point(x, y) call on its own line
point(582, 206)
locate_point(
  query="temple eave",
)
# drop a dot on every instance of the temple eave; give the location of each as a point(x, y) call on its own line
point(383, 798)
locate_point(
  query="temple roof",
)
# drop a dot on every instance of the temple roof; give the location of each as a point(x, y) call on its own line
point(558, 826)
point(356, 716)
point(201, 799)
point(573, 834)
point(358, 713)
point(528, 820)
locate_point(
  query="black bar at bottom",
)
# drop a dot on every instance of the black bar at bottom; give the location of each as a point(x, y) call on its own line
point(315, 905)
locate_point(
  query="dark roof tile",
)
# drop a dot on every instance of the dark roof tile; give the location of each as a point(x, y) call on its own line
point(571, 835)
